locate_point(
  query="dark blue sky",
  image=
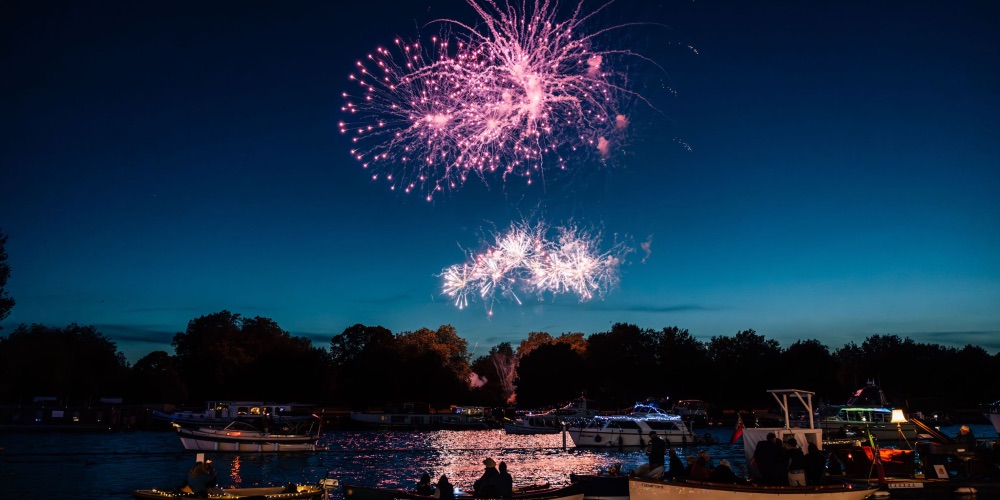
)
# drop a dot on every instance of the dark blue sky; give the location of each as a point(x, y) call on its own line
point(165, 160)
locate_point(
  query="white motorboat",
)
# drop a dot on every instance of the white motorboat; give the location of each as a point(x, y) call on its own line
point(244, 436)
point(220, 413)
point(632, 429)
point(655, 489)
point(552, 421)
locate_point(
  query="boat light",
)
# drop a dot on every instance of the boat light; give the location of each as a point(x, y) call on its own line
point(898, 417)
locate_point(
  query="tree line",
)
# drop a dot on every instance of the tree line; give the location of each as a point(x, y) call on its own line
point(228, 356)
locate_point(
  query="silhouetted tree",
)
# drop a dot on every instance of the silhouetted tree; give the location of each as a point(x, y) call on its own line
point(6, 301)
point(681, 359)
point(745, 365)
point(621, 365)
point(550, 374)
point(224, 355)
point(808, 365)
point(348, 346)
point(436, 364)
point(77, 364)
point(365, 361)
point(534, 340)
point(155, 379)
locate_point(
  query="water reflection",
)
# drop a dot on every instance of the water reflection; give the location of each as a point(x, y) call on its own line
point(397, 459)
point(234, 471)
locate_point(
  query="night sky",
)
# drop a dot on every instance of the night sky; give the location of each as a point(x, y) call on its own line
point(809, 169)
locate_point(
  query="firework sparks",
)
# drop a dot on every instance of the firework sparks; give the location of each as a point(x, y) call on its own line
point(523, 258)
point(509, 98)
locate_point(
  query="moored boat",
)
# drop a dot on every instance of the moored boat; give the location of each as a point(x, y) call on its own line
point(552, 421)
point(866, 411)
point(420, 416)
point(287, 492)
point(992, 414)
point(244, 436)
point(802, 437)
point(220, 413)
point(631, 430)
point(604, 486)
point(651, 489)
point(533, 492)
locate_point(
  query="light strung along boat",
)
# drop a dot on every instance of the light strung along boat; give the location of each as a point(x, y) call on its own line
point(632, 429)
point(655, 489)
point(219, 413)
point(244, 436)
point(533, 492)
point(287, 492)
point(552, 421)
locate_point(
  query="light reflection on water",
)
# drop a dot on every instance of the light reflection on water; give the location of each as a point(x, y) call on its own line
point(112, 465)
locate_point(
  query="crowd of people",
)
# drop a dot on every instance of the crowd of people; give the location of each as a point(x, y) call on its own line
point(777, 463)
point(774, 463)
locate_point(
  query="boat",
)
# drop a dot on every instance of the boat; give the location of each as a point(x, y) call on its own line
point(287, 492)
point(220, 413)
point(632, 429)
point(867, 411)
point(253, 436)
point(421, 416)
point(691, 411)
point(992, 413)
point(552, 421)
point(604, 486)
point(531, 492)
point(652, 489)
point(642, 488)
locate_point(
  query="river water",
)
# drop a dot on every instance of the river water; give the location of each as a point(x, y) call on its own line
point(57, 465)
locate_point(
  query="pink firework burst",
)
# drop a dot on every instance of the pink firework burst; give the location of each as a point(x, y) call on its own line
point(512, 96)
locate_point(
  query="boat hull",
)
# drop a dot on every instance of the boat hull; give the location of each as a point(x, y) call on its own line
point(523, 429)
point(602, 487)
point(588, 437)
point(219, 440)
point(642, 489)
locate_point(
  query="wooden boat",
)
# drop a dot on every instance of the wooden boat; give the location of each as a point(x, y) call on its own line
point(651, 489)
point(243, 436)
point(655, 489)
point(533, 492)
point(602, 486)
point(287, 492)
point(631, 430)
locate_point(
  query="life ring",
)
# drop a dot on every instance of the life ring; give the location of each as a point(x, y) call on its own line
point(597, 438)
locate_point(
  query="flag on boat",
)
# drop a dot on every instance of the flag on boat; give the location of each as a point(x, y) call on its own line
point(738, 431)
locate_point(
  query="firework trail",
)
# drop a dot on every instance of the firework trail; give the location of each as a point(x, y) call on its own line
point(522, 258)
point(510, 97)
